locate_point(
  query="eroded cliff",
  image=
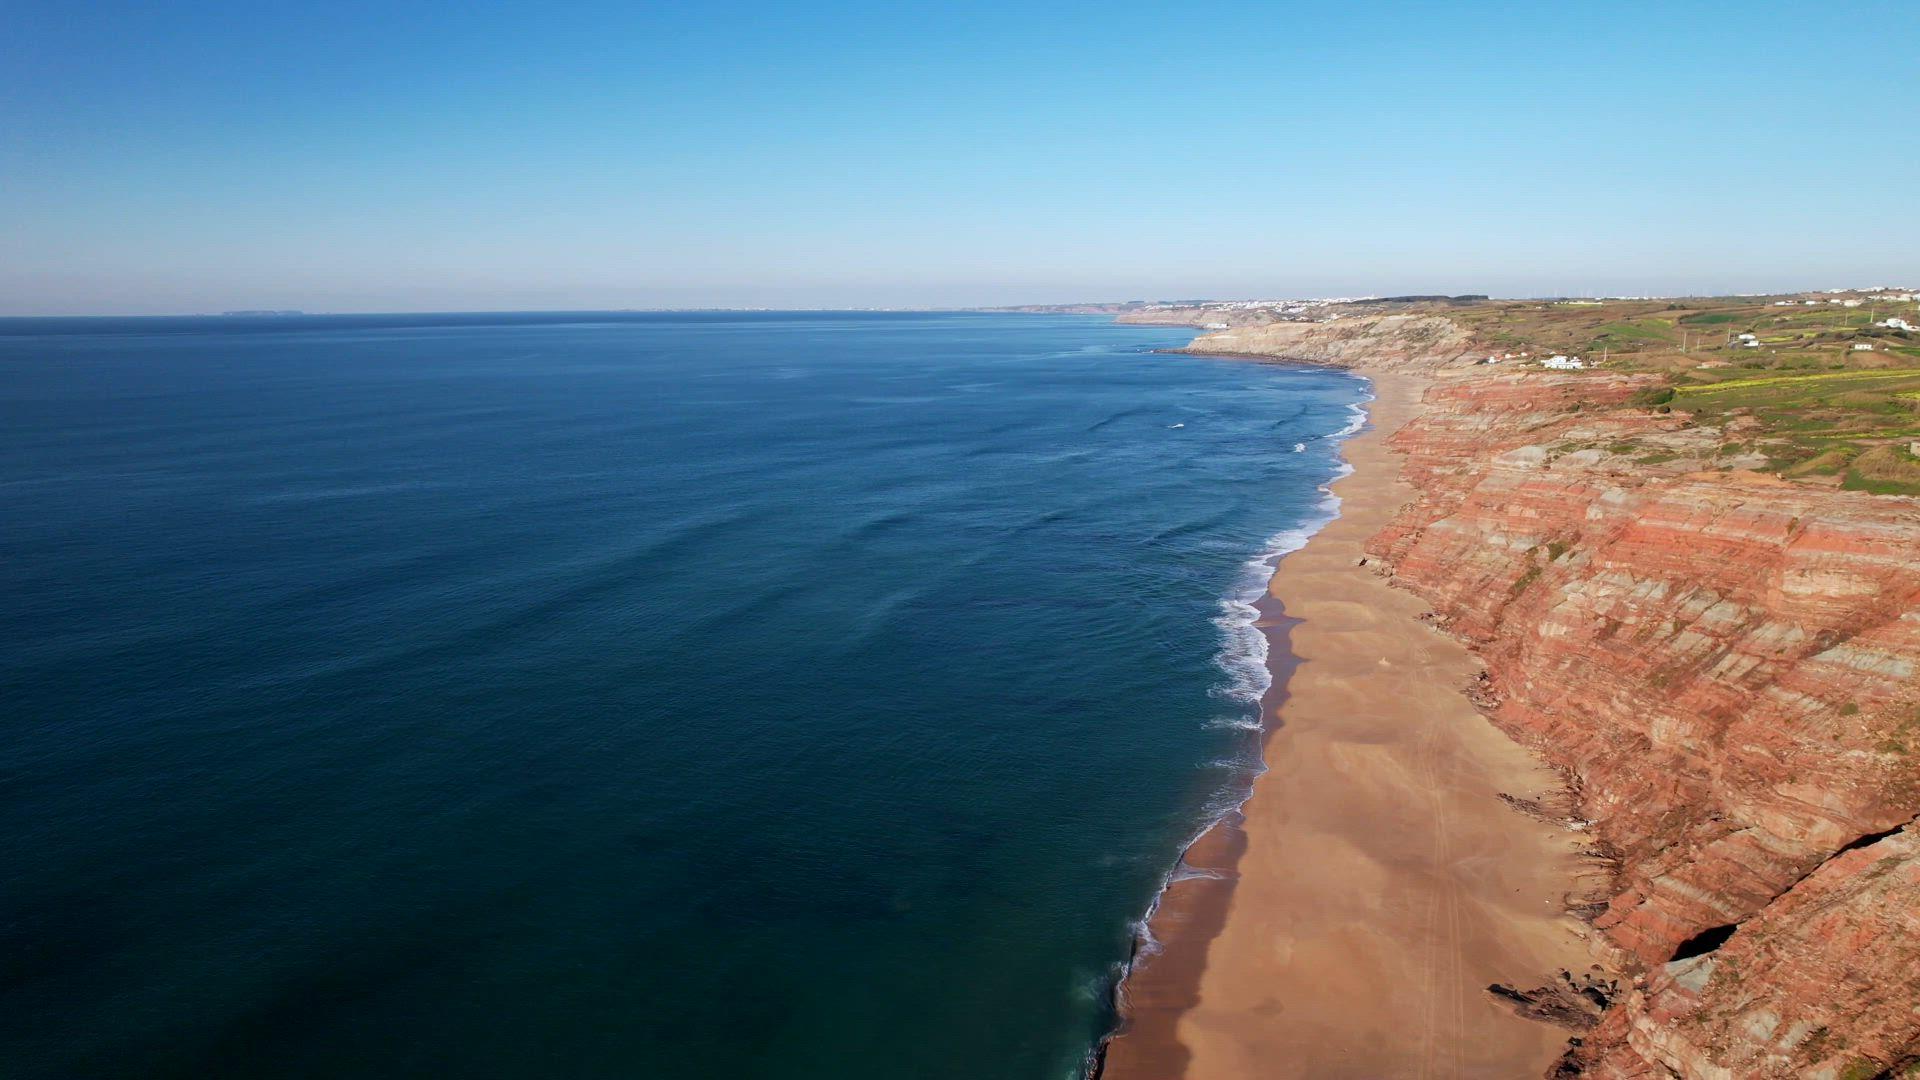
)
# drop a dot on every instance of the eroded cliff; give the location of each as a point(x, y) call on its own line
point(1380, 342)
point(1723, 664)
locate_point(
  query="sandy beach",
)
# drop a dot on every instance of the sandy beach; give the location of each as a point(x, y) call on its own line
point(1374, 884)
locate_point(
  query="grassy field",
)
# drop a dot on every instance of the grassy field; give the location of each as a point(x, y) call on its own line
point(1814, 405)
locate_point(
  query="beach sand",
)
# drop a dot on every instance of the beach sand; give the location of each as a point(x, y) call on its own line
point(1374, 884)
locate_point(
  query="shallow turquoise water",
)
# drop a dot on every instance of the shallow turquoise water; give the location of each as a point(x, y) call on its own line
point(790, 695)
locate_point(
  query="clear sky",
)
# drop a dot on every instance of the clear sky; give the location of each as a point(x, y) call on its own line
point(198, 156)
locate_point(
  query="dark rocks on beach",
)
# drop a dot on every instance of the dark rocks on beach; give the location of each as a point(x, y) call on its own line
point(1570, 1002)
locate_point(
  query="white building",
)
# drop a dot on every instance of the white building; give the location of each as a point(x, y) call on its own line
point(1563, 363)
point(1897, 324)
point(1861, 346)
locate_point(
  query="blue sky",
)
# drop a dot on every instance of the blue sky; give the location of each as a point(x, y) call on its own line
point(203, 156)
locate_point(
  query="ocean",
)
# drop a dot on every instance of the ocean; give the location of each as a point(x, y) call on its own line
point(618, 695)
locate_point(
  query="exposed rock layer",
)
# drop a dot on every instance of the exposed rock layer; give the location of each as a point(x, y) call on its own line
point(1381, 342)
point(1724, 664)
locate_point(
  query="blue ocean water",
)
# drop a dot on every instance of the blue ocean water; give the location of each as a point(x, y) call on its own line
point(704, 695)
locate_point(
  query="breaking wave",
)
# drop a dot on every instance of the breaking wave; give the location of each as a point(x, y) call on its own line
point(1242, 659)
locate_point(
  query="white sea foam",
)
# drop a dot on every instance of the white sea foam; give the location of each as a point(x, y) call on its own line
point(1100, 984)
point(1196, 873)
point(1243, 644)
point(1143, 932)
point(1243, 647)
point(1299, 448)
point(1357, 421)
point(1243, 659)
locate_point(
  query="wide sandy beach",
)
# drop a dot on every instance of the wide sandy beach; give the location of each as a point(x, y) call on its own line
point(1374, 884)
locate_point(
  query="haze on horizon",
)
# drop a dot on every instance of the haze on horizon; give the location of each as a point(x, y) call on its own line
point(350, 157)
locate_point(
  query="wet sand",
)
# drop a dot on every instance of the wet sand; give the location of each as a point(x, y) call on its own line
point(1374, 884)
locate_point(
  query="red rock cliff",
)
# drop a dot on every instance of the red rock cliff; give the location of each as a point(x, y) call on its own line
point(1725, 665)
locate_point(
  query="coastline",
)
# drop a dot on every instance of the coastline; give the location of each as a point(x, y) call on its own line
point(1345, 920)
point(1161, 979)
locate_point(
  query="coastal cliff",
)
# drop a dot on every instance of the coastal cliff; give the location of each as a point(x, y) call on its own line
point(1378, 343)
point(1722, 664)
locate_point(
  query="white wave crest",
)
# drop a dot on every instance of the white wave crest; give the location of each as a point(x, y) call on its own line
point(1243, 644)
point(1355, 422)
point(1242, 657)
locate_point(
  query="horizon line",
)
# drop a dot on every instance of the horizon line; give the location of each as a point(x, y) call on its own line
point(268, 314)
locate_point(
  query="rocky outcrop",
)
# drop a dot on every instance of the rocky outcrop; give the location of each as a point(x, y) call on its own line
point(1570, 1001)
point(1728, 666)
point(1822, 983)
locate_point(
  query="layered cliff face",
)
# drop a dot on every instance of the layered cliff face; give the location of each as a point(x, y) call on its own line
point(1725, 665)
point(1380, 342)
point(1822, 983)
point(1176, 316)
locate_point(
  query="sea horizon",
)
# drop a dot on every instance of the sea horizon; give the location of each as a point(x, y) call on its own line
point(877, 666)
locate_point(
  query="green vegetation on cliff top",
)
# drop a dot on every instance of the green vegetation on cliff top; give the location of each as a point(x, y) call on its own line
point(1821, 389)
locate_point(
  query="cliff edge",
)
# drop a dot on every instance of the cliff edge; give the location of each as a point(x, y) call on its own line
point(1378, 343)
point(1722, 663)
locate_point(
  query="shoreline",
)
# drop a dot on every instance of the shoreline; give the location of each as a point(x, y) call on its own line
point(1345, 919)
point(1160, 978)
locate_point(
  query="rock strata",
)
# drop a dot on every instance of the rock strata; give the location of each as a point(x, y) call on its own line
point(1727, 668)
point(1383, 342)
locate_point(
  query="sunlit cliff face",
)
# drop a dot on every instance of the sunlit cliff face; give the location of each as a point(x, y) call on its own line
point(1726, 665)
